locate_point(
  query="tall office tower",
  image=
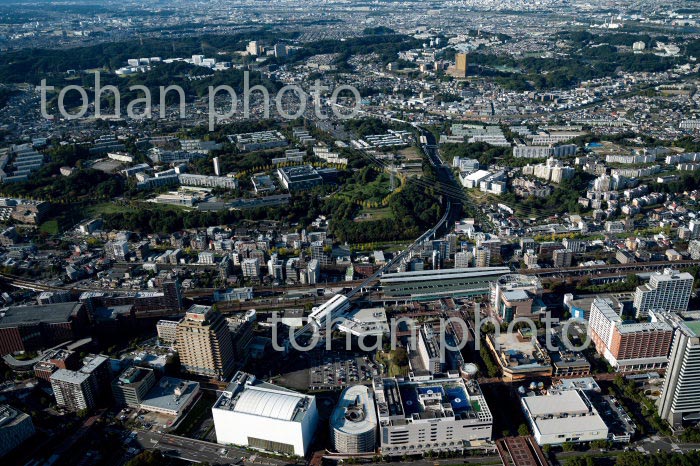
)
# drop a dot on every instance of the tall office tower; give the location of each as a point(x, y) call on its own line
point(252, 48)
point(172, 295)
point(451, 244)
point(280, 50)
point(680, 397)
point(668, 291)
point(694, 227)
point(318, 252)
point(84, 388)
point(117, 250)
point(203, 342)
point(461, 64)
point(217, 167)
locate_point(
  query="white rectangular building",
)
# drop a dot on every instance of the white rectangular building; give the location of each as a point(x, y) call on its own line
point(563, 417)
point(264, 416)
point(669, 291)
point(417, 416)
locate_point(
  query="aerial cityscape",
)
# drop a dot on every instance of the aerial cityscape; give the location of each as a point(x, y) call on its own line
point(402, 232)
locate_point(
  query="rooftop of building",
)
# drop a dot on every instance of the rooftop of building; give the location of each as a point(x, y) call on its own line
point(516, 295)
point(605, 308)
point(567, 403)
point(367, 321)
point(355, 411)
point(425, 275)
point(246, 394)
point(170, 394)
point(68, 376)
point(90, 363)
point(42, 313)
point(591, 422)
point(133, 376)
point(435, 398)
point(521, 351)
point(583, 383)
point(10, 416)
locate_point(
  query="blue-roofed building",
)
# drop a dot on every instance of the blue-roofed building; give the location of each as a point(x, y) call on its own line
point(431, 414)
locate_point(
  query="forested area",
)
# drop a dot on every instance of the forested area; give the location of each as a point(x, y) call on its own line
point(485, 153)
point(31, 65)
point(46, 184)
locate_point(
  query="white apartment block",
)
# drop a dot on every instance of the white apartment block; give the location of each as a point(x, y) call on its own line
point(668, 291)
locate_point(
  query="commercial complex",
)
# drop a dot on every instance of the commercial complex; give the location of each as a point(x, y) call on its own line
point(520, 355)
point(353, 423)
point(15, 428)
point(669, 290)
point(564, 417)
point(274, 418)
point(203, 342)
point(84, 388)
point(628, 346)
point(435, 284)
point(29, 328)
point(364, 322)
point(513, 296)
point(171, 397)
point(417, 416)
point(679, 403)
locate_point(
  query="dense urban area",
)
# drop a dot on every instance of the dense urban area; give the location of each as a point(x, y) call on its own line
point(275, 233)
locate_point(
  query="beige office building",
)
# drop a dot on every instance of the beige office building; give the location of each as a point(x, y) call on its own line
point(204, 344)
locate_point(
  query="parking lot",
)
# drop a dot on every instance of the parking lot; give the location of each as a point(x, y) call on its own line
point(332, 370)
point(146, 420)
point(616, 418)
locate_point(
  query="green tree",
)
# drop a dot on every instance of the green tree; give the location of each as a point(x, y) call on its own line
point(523, 430)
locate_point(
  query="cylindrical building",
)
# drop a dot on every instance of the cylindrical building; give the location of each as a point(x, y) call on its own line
point(354, 421)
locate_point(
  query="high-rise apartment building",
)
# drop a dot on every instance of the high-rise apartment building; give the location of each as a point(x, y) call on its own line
point(172, 295)
point(668, 290)
point(251, 268)
point(562, 258)
point(167, 331)
point(84, 388)
point(463, 259)
point(628, 346)
point(680, 397)
point(203, 342)
point(429, 350)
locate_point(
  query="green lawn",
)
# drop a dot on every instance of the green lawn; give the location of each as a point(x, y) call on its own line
point(50, 227)
point(373, 191)
point(373, 214)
